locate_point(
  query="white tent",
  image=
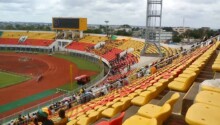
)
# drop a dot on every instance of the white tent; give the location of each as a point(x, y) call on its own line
point(98, 45)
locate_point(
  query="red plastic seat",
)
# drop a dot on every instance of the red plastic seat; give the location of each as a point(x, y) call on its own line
point(116, 121)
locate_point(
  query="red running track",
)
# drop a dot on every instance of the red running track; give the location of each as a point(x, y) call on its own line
point(55, 72)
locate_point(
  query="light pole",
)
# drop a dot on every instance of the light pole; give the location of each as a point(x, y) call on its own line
point(106, 21)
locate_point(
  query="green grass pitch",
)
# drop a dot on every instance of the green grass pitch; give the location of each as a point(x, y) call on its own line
point(8, 79)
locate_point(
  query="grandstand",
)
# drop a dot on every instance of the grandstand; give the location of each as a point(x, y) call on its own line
point(137, 45)
point(169, 95)
point(142, 94)
point(27, 38)
point(112, 48)
point(80, 46)
point(31, 35)
point(93, 39)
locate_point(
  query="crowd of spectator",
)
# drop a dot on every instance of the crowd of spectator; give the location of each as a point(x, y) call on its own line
point(83, 96)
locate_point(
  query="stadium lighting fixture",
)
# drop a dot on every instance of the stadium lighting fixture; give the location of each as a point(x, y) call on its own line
point(153, 25)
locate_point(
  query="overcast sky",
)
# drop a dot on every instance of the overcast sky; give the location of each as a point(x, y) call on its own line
point(197, 13)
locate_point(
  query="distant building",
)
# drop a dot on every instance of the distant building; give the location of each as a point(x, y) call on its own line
point(181, 30)
point(205, 28)
point(122, 28)
point(164, 36)
point(137, 33)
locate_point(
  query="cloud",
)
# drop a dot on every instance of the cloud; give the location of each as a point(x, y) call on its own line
point(197, 13)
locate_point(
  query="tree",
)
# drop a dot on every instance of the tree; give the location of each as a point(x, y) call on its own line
point(123, 33)
point(168, 29)
point(47, 28)
point(176, 37)
point(125, 26)
point(96, 31)
point(135, 29)
point(9, 27)
point(199, 33)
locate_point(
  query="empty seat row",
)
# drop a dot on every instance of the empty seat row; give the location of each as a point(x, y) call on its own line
point(205, 109)
point(120, 99)
point(31, 35)
point(216, 64)
point(31, 42)
point(79, 46)
point(151, 114)
point(187, 77)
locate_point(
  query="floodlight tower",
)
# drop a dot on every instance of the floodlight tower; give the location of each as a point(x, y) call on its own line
point(153, 25)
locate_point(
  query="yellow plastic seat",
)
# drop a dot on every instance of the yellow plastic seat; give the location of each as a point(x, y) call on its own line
point(160, 86)
point(164, 81)
point(146, 93)
point(132, 95)
point(91, 110)
point(72, 122)
point(203, 114)
point(126, 103)
point(97, 114)
point(144, 98)
point(208, 97)
point(182, 83)
point(97, 107)
point(102, 108)
point(173, 99)
point(140, 120)
point(112, 111)
point(138, 91)
point(81, 116)
point(149, 110)
point(152, 88)
point(196, 66)
point(161, 114)
point(87, 120)
point(192, 70)
point(109, 103)
point(216, 67)
point(209, 88)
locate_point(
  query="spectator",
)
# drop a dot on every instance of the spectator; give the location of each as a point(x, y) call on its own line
point(43, 118)
point(82, 90)
point(63, 119)
point(78, 98)
point(20, 119)
point(104, 89)
point(126, 81)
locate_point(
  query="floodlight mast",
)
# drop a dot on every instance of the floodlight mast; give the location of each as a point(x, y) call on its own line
point(153, 25)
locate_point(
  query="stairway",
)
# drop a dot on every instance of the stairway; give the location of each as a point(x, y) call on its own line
point(207, 72)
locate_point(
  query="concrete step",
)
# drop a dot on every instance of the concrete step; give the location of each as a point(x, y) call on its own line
point(189, 97)
point(205, 73)
point(200, 80)
point(166, 97)
point(132, 110)
point(205, 76)
point(154, 101)
point(175, 120)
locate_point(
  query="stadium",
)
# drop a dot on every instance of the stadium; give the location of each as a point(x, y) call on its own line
point(106, 79)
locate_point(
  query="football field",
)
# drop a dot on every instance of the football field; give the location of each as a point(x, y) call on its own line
point(8, 79)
